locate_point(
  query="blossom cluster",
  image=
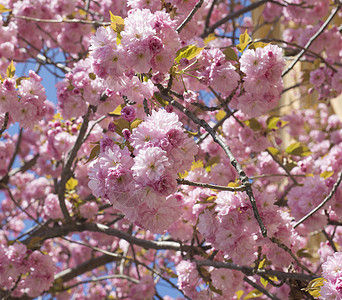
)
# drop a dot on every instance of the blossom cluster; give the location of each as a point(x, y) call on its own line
point(26, 103)
point(262, 84)
point(141, 183)
point(35, 269)
point(147, 41)
point(332, 273)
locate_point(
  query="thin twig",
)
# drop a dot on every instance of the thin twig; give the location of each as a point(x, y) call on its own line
point(233, 15)
point(190, 16)
point(260, 288)
point(288, 250)
point(16, 151)
point(249, 270)
point(211, 186)
point(312, 39)
point(79, 21)
point(96, 279)
point(331, 242)
point(4, 126)
point(326, 199)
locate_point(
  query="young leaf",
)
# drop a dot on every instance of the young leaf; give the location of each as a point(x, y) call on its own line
point(314, 287)
point(71, 184)
point(274, 151)
point(118, 25)
point(4, 9)
point(188, 52)
point(220, 115)
point(264, 282)
point(10, 70)
point(210, 38)
point(244, 39)
point(327, 174)
point(275, 123)
point(117, 110)
point(136, 123)
point(253, 294)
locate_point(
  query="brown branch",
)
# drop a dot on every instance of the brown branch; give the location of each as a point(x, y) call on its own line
point(211, 186)
point(232, 16)
point(260, 288)
point(67, 173)
point(190, 16)
point(249, 270)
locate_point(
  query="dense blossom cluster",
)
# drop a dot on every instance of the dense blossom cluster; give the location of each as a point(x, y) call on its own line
point(165, 147)
point(33, 269)
point(26, 103)
point(142, 186)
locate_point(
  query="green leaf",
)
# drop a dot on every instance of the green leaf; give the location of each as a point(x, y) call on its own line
point(253, 124)
point(327, 174)
point(71, 184)
point(298, 149)
point(93, 153)
point(275, 123)
point(4, 9)
point(244, 39)
point(230, 54)
point(188, 52)
point(253, 294)
point(10, 70)
point(273, 151)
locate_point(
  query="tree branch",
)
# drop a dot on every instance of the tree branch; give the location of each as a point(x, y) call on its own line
point(190, 16)
point(312, 39)
point(326, 199)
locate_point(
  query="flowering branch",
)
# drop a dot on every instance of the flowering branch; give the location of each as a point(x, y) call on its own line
point(217, 139)
point(312, 39)
point(326, 199)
